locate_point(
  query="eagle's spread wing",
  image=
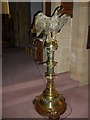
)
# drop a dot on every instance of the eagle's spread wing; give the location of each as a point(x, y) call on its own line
point(40, 23)
point(62, 20)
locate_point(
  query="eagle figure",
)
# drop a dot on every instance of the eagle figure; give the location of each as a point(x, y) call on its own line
point(50, 26)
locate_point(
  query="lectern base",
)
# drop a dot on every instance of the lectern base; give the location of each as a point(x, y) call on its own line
point(50, 107)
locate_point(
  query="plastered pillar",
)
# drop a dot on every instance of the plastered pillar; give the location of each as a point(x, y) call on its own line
point(79, 53)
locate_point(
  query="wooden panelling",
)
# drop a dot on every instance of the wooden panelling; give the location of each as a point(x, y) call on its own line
point(48, 8)
point(39, 50)
point(68, 8)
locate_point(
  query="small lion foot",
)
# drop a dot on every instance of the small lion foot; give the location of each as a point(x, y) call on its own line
point(54, 117)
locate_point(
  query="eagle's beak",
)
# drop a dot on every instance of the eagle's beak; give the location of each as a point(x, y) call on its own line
point(61, 9)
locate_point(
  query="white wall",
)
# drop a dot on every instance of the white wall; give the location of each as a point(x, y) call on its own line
point(79, 53)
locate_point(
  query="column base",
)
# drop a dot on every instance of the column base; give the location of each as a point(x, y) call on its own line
point(51, 107)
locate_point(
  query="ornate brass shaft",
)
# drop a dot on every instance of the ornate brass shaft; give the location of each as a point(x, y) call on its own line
point(50, 103)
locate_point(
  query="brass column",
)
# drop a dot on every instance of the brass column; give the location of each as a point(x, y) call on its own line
point(50, 103)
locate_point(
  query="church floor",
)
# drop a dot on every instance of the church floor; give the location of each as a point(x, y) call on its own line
point(22, 81)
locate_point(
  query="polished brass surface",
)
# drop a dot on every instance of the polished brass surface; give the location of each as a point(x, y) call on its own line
point(50, 103)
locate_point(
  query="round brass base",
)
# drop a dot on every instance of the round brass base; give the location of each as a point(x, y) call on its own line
point(50, 107)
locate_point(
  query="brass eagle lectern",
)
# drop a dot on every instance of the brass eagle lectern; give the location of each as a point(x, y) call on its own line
point(50, 103)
